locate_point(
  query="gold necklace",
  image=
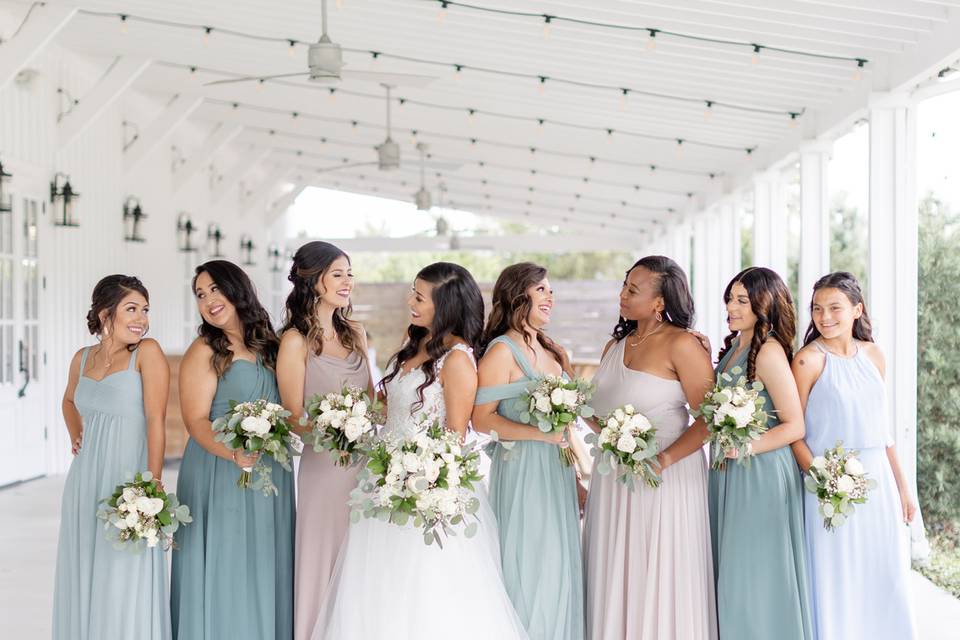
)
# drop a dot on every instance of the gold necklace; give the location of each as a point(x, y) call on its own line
point(634, 345)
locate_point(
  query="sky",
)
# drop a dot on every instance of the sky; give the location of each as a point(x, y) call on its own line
point(938, 170)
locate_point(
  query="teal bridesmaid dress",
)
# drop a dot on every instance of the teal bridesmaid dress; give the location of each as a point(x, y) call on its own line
point(534, 497)
point(756, 527)
point(102, 592)
point(233, 570)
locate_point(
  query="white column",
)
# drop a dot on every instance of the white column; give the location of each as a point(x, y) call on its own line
point(716, 253)
point(770, 223)
point(699, 269)
point(892, 294)
point(679, 249)
point(814, 224)
point(729, 238)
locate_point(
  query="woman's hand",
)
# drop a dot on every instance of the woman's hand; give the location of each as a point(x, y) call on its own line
point(553, 437)
point(75, 446)
point(703, 340)
point(245, 460)
point(581, 496)
point(909, 507)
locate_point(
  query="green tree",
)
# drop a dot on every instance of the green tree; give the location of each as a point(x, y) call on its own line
point(848, 239)
point(938, 366)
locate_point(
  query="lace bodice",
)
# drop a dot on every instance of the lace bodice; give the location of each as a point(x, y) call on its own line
point(403, 414)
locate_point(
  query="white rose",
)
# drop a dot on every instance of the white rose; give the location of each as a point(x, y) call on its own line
point(325, 406)
point(360, 408)
point(619, 415)
point(149, 506)
point(613, 424)
point(412, 484)
point(628, 408)
point(571, 397)
point(853, 467)
point(543, 404)
point(347, 401)
point(819, 463)
point(129, 495)
point(845, 484)
point(354, 428)
point(411, 463)
point(626, 443)
point(431, 469)
point(557, 396)
point(256, 425)
point(274, 408)
point(640, 423)
point(131, 520)
point(743, 415)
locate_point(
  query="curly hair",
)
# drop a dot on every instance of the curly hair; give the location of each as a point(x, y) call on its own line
point(107, 295)
point(458, 311)
point(310, 264)
point(511, 307)
point(847, 284)
point(258, 334)
point(772, 304)
point(678, 308)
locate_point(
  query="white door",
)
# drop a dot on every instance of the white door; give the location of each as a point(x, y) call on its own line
point(21, 359)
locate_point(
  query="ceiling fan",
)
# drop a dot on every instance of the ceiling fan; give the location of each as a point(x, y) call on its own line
point(325, 65)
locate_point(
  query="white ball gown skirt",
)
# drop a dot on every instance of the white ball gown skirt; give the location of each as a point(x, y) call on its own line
point(389, 584)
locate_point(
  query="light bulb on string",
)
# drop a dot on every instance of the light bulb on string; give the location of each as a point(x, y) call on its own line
point(540, 123)
point(708, 112)
point(123, 23)
point(457, 72)
point(609, 135)
point(651, 39)
point(292, 49)
point(679, 147)
point(471, 116)
point(260, 84)
point(333, 95)
point(206, 36)
point(543, 85)
point(793, 120)
point(755, 58)
point(546, 26)
point(376, 59)
point(858, 72)
point(624, 94)
point(442, 13)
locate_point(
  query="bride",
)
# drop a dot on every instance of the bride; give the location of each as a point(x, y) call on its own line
point(387, 582)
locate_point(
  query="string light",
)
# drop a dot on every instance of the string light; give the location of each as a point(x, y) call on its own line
point(755, 58)
point(543, 85)
point(624, 94)
point(333, 94)
point(858, 72)
point(442, 12)
point(292, 49)
point(206, 35)
point(708, 112)
point(260, 84)
point(793, 120)
point(651, 39)
point(123, 24)
point(546, 26)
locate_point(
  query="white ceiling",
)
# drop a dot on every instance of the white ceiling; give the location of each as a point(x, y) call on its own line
point(582, 173)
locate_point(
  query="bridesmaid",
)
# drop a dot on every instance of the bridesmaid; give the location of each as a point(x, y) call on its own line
point(233, 573)
point(858, 572)
point(756, 510)
point(321, 351)
point(534, 495)
point(114, 406)
point(646, 551)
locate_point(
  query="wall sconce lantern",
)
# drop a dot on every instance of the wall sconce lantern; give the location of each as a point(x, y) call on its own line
point(185, 229)
point(62, 197)
point(132, 215)
point(214, 236)
point(6, 205)
point(276, 258)
point(247, 246)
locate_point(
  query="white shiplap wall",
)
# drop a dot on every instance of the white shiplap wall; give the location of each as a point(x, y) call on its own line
point(73, 259)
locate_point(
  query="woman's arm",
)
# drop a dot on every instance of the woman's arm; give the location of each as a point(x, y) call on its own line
point(459, 381)
point(198, 386)
point(807, 367)
point(71, 416)
point(695, 373)
point(291, 372)
point(773, 371)
point(155, 373)
point(493, 370)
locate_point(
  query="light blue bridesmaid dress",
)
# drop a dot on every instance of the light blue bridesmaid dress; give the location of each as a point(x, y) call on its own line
point(756, 526)
point(233, 572)
point(534, 497)
point(859, 571)
point(102, 592)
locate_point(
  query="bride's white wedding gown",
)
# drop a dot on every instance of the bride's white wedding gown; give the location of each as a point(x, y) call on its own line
point(389, 584)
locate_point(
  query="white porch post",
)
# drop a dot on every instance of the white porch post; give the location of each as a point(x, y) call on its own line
point(699, 269)
point(679, 248)
point(729, 239)
point(814, 224)
point(717, 252)
point(770, 223)
point(893, 282)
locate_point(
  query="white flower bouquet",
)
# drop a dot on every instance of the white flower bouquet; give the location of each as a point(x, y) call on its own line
point(734, 415)
point(426, 480)
point(140, 514)
point(552, 404)
point(839, 481)
point(627, 442)
point(342, 423)
point(257, 427)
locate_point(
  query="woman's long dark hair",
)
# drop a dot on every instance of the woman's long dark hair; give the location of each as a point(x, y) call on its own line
point(847, 284)
point(678, 308)
point(458, 311)
point(511, 307)
point(258, 334)
point(310, 264)
point(771, 302)
point(107, 296)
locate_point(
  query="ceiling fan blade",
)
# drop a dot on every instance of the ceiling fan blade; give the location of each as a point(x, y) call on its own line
point(350, 165)
point(252, 78)
point(392, 79)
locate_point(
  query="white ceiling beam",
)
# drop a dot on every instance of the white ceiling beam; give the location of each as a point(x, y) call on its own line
point(245, 163)
point(42, 27)
point(264, 189)
point(220, 137)
point(117, 79)
point(160, 129)
point(284, 202)
point(836, 12)
point(905, 8)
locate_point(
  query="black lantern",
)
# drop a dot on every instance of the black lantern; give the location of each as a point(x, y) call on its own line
point(6, 205)
point(214, 236)
point(247, 246)
point(132, 215)
point(276, 258)
point(185, 229)
point(62, 197)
